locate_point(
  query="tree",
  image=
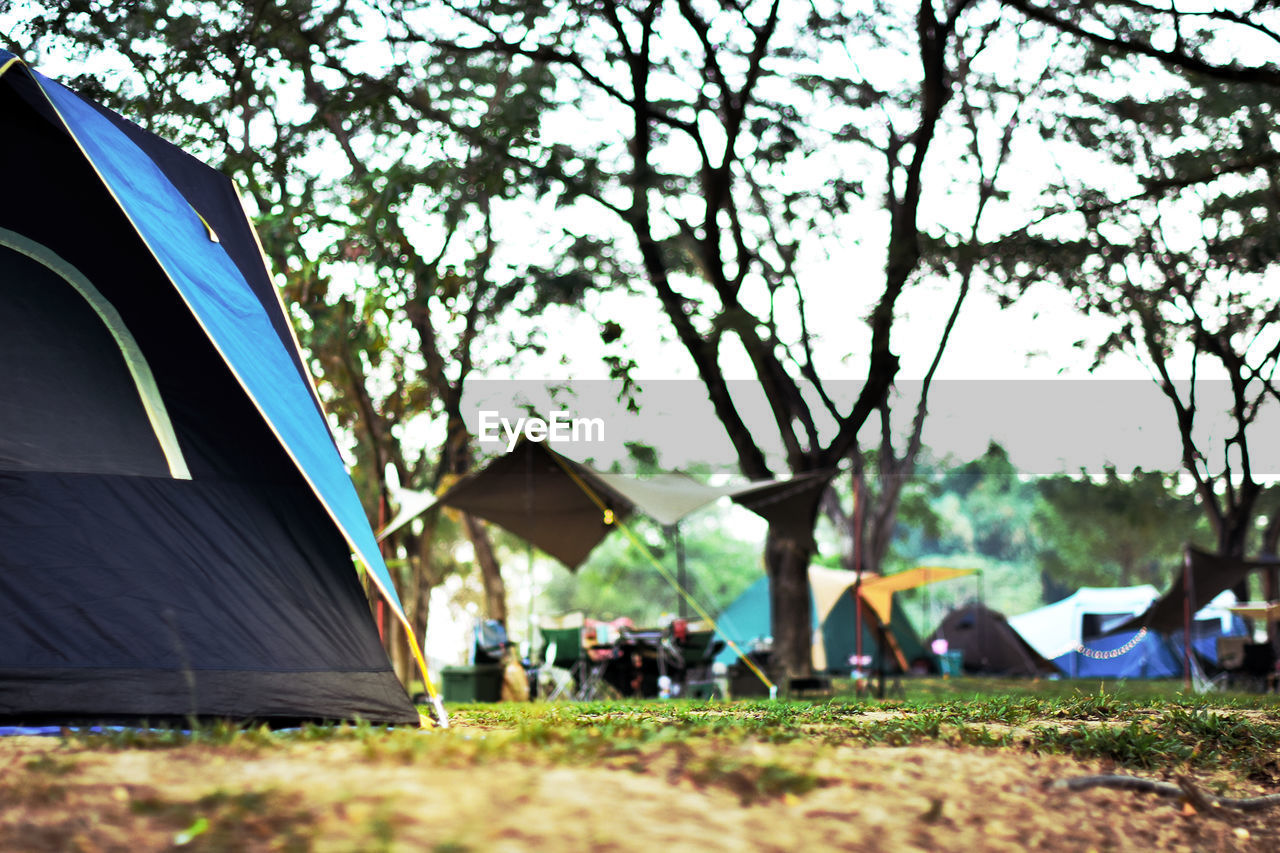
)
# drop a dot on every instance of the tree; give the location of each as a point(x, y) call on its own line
point(880, 474)
point(379, 221)
point(1113, 531)
point(729, 136)
point(1171, 235)
point(617, 580)
point(1201, 42)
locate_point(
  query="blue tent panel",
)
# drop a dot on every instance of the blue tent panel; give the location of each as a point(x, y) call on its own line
point(1152, 656)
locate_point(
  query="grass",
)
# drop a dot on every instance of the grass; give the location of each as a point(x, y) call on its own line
point(758, 751)
point(230, 821)
point(1135, 725)
point(1148, 726)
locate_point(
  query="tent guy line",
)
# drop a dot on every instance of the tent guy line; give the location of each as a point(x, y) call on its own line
point(662, 570)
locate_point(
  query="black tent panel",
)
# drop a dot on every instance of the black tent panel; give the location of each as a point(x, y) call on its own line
point(70, 402)
point(989, 643)
point(234, 599)
point(62, 205)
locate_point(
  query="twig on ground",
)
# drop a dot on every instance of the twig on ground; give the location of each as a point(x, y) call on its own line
point(1185, 789)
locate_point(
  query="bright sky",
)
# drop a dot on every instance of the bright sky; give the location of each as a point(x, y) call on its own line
point(1012, 375)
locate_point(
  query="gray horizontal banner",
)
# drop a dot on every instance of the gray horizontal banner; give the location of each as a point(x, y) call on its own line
point(1047, 426)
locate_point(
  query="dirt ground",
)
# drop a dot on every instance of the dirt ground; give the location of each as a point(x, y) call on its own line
point(341, 795)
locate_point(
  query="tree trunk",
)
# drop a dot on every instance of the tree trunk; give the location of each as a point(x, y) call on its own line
point(791, 608)
point(495, 590)
point(1233, 540)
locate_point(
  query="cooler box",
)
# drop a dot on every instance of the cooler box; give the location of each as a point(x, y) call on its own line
point(951, 663)
point(479, 683)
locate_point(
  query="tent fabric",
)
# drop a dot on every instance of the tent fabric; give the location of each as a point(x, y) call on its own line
point(790, 506)
point(130, 589)
point(747, 622)
point(538, 494)
point(1058, 628)
point(410, 504)
point(789, 503)
point(1211, 575)
point(35, 322)
point(1091, 633)
point(667, 497)
point(1124, 654)
point(531, 493)
point(226, 308)
point(219, 204)
point(827, 586)
point(878, 592)
point(989, 643)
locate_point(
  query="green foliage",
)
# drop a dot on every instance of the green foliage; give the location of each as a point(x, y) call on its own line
point(618, 580)
point(1119, 531)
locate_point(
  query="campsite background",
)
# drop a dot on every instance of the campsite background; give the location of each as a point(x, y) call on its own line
point(445, 206)
point(1007, 265)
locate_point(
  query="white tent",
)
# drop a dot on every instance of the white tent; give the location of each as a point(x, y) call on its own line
point(1058, 628)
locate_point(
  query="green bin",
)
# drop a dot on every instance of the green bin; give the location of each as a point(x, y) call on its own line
point(480, 683)
point(951, 663)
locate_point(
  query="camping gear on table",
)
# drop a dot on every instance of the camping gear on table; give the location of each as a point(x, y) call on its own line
point(176, 523)
point(599, 658)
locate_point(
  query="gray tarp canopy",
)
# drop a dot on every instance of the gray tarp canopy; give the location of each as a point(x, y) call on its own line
point(1210, 576)
point(531, 493)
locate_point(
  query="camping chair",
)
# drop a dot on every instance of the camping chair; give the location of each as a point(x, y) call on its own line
point(490, 642)
point(1256, 672)
point(601, 647)
point(585, 651)
point(562, 650)
point(695, 653)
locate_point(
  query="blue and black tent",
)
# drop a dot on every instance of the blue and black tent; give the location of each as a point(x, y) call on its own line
point(176, 523)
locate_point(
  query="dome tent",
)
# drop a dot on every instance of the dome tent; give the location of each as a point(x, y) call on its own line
point(176, 525)
point(747, 621)
point(989, 643)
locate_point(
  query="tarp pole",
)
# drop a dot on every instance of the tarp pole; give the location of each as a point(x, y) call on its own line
point(1189, 586)
point(857, 567)
point(682, 575)
point(382, 548)
point(880, 653)
point(532, 624)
